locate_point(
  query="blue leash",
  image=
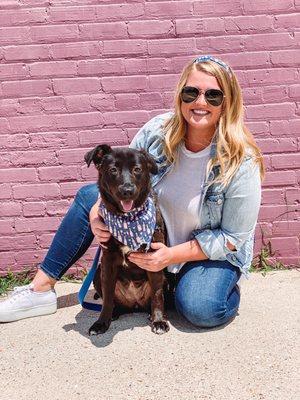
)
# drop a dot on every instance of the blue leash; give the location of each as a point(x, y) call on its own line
point(87, 283)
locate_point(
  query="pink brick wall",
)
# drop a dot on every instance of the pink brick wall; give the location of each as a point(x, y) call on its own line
point(78, 72)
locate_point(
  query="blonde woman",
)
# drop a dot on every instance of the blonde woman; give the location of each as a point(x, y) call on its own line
point(209, 191)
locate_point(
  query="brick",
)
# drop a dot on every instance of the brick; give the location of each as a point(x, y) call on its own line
point(57, 174)
point(31, 105)
point(121, 11)
point(78, 103)
point(128, 118)
point(248, 24)
point(294, 91)
point(29, 258)
point(292, 196)
point(53, 140)
point(5, 191)
point(14, 141)
point(272, 111)
point(9, 71)
point(127, 101)
point(55, 68)
point(259, 128)
point(286, 228)
point(69, 189)
point(124, 84)
point(169, 9)
point(7, 262)
point(36, 191)
point(281, 161)
point(6, 227)
point(163, 82)
point(275, 94)
point(102, 102)
point(216, 7)
point(22, 17)
point(111, 30)
point(23, 242)
point(286, 21)
point(243, 60)
point(59, 208)
point(285, 128)
point(272, 145)
point(75, 50)
point(285, 246)
point(34, 157)
point(34, 209)
point(149, 101)
point(71, 156)
point(171, 46)
point(4, 125)
point(9, 107)
point(113, 137)
point(15, 35)
point(53, 33)
point(53, 104)
point(26, 53)
point(268, 6)
point(62, 14)
point(79, 120)
point(199, 26)
point(36, 224)
point(18, 175)
point(276, 213)
point(26, 88)
point(76, 85)
point(149, 29)
point(10, 209)
point(96, 67)
point(273, 196)
point(124, 47)
point(288, 58)
point(280, 178)
point(45, 240)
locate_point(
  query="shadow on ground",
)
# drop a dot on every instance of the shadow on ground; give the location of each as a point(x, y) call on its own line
point(85, 318)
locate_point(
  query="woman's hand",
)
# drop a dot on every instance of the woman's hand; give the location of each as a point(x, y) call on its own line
point(98, 228)
point(154, 261)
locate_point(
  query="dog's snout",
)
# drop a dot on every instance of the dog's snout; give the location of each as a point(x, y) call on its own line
point(126, 190)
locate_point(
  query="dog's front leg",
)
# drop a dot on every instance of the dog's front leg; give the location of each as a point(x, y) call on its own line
point(109, 270)
point(159, 323)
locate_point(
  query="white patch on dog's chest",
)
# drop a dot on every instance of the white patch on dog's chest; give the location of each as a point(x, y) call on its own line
point(125, 250)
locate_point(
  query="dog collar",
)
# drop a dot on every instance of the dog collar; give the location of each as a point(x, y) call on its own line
point(134, 228)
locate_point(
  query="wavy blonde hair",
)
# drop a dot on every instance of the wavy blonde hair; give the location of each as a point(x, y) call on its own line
point(233, 136)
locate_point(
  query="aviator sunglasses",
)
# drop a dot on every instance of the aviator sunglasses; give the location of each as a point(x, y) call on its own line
point(213, 96)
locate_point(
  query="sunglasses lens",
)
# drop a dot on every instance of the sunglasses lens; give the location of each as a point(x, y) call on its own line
point(214, 97)
point(189, 94)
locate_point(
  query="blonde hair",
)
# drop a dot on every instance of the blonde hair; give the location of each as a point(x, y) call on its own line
point(233, 137)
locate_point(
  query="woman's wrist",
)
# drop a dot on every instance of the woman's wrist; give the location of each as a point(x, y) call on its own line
point(188, 251)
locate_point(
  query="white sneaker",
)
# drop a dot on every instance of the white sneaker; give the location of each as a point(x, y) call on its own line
point(23, 302)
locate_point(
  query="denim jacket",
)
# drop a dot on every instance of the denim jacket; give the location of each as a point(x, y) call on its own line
point(228, 213)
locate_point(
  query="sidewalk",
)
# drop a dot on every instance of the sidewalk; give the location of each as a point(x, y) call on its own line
point(254, 357)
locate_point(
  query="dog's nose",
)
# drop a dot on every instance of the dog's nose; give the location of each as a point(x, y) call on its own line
point(126, 190)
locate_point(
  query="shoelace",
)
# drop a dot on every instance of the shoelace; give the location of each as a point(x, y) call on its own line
point(18, 292)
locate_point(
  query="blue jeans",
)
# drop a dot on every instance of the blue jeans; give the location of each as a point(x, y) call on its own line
point(206, 293)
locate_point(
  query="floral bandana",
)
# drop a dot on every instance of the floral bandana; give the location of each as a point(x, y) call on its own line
point(134, 228)
point(215, 60)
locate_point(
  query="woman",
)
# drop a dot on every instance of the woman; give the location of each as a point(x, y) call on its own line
point(209, 190)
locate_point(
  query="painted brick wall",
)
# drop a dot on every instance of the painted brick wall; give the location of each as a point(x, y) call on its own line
point(78, 72)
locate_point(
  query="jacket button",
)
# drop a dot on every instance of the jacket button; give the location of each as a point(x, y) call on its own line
point(219, 201)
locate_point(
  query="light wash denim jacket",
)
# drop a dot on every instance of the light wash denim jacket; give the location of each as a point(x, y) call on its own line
point(228, 213)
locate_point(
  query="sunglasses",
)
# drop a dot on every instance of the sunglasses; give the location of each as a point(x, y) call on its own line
point(213, 96)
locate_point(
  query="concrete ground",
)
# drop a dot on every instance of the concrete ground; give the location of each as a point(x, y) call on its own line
point(256, 356)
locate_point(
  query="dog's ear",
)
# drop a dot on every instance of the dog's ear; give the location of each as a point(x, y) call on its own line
point(97, 154)
point(150, 162)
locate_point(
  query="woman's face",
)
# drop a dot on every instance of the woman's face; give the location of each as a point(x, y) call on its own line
point(199, 114)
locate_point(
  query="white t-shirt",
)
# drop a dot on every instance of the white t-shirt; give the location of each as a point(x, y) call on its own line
point(179, 196)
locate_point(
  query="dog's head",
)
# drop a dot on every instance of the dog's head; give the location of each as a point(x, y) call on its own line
point(124, 176)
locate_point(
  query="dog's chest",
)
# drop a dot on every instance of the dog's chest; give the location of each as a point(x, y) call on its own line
point(125, 250)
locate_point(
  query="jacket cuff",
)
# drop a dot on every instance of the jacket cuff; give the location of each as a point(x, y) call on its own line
point(214, 244)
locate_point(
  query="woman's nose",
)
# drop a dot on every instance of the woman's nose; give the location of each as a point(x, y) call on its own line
point(201, 99)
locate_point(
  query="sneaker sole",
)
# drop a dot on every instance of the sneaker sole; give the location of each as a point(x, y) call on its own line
point(29, 313)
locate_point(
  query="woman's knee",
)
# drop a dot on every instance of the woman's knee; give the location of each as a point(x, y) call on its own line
point(87, 196)
point(200, 310)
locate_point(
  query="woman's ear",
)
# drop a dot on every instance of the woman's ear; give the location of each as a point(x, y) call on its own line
point(97, 154)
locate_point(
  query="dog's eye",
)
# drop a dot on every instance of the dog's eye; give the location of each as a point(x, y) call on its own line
point(113, 170)
point(137, 170)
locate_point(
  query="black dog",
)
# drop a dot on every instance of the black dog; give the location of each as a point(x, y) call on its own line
point(124, 184)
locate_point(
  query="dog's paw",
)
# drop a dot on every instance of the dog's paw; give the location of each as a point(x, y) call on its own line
point(99, 327)
point(160, 327)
